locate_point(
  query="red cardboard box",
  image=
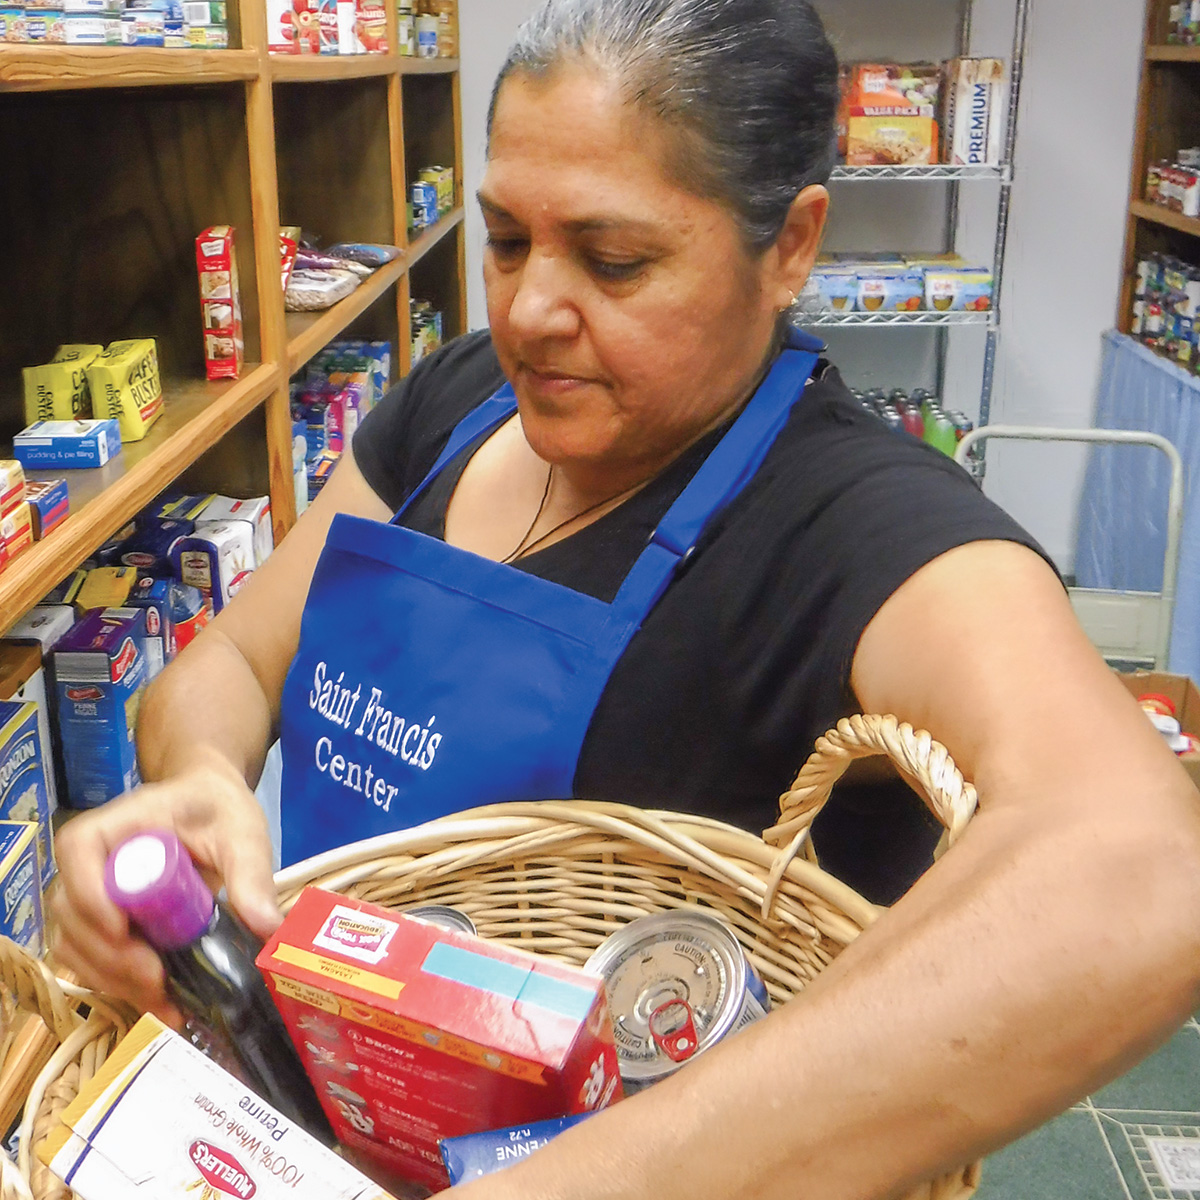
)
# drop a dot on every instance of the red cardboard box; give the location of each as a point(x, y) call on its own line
point(412, 1033)
point(220, 303)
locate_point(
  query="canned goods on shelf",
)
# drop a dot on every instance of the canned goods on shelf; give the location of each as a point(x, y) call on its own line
point(443, 916)
point(677, 982)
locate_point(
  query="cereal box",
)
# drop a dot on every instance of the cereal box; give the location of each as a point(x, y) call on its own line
point(99, 673)
point(21, 915)
point(412, 1033)
point(59, 391)
point(24, 795)
point(12, 25)
point(160, 1120)
point(67, 444)
point(974, 104)
point(217, 559)
point(126, 386)
point(220, 302)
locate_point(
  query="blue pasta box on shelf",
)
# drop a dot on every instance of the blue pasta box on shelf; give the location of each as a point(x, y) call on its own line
point(24, 795)
point(21, 915)
point(475, 1154)
point(99, 674)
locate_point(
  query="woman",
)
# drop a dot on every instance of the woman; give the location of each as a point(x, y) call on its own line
point(659, 579)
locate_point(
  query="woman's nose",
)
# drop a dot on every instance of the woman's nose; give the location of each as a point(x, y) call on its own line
point(543, 303)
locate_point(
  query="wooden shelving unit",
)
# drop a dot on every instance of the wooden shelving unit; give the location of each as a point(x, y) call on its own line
point(1168, 120)
point(116, 158)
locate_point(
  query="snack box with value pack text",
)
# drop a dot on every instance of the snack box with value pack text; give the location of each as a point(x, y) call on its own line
point(24, 795)
point(412, 1033)
point(99, 673)
point(478, 1154)
point(67, 444)
point(161, 1121)
point(21, 913)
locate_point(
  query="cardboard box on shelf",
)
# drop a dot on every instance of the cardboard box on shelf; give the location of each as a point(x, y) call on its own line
point(24, 795)
point(21, 913)
point(220, 302)
point(23, 679)
point(1183, 695)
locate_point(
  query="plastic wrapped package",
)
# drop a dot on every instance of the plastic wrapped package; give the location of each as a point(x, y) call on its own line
point(1123, 509)
point(312, 290)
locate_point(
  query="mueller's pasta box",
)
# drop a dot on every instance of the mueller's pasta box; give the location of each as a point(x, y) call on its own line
point(24, 795)
point(220, 303)
point(412, 1033)
point(67, 444)
point(59, 391)
point(21, 916)
point(217, 559)
point(126, 387)
point(99, 673)
point(974, 104)
point(477, 1154)
point(161, 1121)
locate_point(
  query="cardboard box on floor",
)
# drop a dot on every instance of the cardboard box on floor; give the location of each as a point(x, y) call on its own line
point(1183, 694)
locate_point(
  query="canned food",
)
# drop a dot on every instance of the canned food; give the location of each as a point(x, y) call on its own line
point(677, 983)
point(443, 916)
point(424, 204)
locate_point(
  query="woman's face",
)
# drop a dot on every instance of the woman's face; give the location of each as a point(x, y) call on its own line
point(625, 310)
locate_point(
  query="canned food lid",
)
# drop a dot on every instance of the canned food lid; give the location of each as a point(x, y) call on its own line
point(1157, 702)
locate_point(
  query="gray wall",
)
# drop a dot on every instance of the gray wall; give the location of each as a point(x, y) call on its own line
point(1063, 273)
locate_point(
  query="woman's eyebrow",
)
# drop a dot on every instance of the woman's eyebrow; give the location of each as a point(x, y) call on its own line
point(579, 225)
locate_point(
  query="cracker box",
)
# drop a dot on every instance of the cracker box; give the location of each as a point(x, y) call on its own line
point(23, 678)
point(99, 673)
point(218, 559)
point(478, 1154)
point(49, 504)
point(256, 512)
point(126, 386)
point(24, 795)
point(21, 913)
point(412, 1033)
point(974, 111)
point(161, 1121)
point(220, 303)
point(67, 444)
point(59, 391)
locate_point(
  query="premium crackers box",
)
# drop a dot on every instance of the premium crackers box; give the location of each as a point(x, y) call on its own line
point(974, 111)
point(412, 1033)
point(220, 302)
point(21, 915)
point(161, 1121)
point(24, 793)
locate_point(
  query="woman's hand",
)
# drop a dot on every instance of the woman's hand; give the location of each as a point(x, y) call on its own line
point(215, 815)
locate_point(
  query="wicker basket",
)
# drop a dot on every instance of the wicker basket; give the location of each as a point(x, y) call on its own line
point(559, 877)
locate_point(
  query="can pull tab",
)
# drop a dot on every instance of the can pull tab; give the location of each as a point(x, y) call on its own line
point(674, 1030)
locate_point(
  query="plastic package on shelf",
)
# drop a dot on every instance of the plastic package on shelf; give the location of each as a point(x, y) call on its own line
point(313, 290)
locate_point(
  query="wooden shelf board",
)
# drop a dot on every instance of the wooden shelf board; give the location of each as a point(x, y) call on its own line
point(1183, 54)
point(36, 68)
point(430, 237)
point(427, 66)
point(195, 416)
point(1160, 215)
point(309, 332)
point(319, 68)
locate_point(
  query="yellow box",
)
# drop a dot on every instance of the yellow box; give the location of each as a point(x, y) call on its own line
point(58, 391)
point(891, 140)
point(442, 178)
point(126, 387)
point(105, 587)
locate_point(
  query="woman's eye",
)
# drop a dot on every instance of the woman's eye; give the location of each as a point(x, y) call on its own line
point(616, 270)
point(506, 248)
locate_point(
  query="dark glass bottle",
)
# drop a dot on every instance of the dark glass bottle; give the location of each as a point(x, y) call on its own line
point(209, 958)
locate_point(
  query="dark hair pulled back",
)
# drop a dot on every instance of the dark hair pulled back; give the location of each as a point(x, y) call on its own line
point(749, 88)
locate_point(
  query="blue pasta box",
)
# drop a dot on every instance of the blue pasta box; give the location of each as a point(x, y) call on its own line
point(24, 795)
point(67, 444)
point(99, 674)
point(155, 596)
point(477, 1154)
point(149, 549)
point(21, 915)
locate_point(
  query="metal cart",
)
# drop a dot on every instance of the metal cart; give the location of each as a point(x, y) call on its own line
point(1130, 628)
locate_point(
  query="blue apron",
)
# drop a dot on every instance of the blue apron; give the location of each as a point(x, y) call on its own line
point(429, 679)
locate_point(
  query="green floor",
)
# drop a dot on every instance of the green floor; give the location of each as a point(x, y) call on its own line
point(1138, 1139)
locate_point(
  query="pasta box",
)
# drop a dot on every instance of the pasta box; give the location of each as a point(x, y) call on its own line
point(49, 503)
point(67, 443)
point(23, 679)
point(412, 1033)
point(256, 512)
point(99, 673)
point(217, 559)
point(21, 914)
point(24, 795)
point(478, 1154)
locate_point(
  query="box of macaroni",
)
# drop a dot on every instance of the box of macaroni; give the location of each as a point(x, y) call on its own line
point(21, 914)
point(24, 795)
point(160, 1120)
point(412, 1033)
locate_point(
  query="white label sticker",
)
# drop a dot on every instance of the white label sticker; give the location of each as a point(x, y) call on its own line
point(1178, 1161)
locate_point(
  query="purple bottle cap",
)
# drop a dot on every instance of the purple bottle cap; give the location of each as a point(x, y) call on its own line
point(153, 879)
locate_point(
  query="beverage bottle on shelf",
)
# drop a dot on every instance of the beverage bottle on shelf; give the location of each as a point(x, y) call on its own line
point(209, 959)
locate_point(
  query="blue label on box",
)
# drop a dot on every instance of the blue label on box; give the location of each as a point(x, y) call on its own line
point(477, 1154)
point(23, 792)
point(21, 916)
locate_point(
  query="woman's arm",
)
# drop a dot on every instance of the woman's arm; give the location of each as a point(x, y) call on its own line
point(205, 725)
point(1058, 942)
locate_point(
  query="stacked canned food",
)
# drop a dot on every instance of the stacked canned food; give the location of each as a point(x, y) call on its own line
point(1166, 308)
point(920, 414)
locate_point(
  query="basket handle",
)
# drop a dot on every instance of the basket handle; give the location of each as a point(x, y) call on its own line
point(948, 795)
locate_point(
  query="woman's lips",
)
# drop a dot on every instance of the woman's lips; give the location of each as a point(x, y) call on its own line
point(554, 382)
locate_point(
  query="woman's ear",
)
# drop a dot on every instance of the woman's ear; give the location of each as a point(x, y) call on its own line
point(791, 258)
